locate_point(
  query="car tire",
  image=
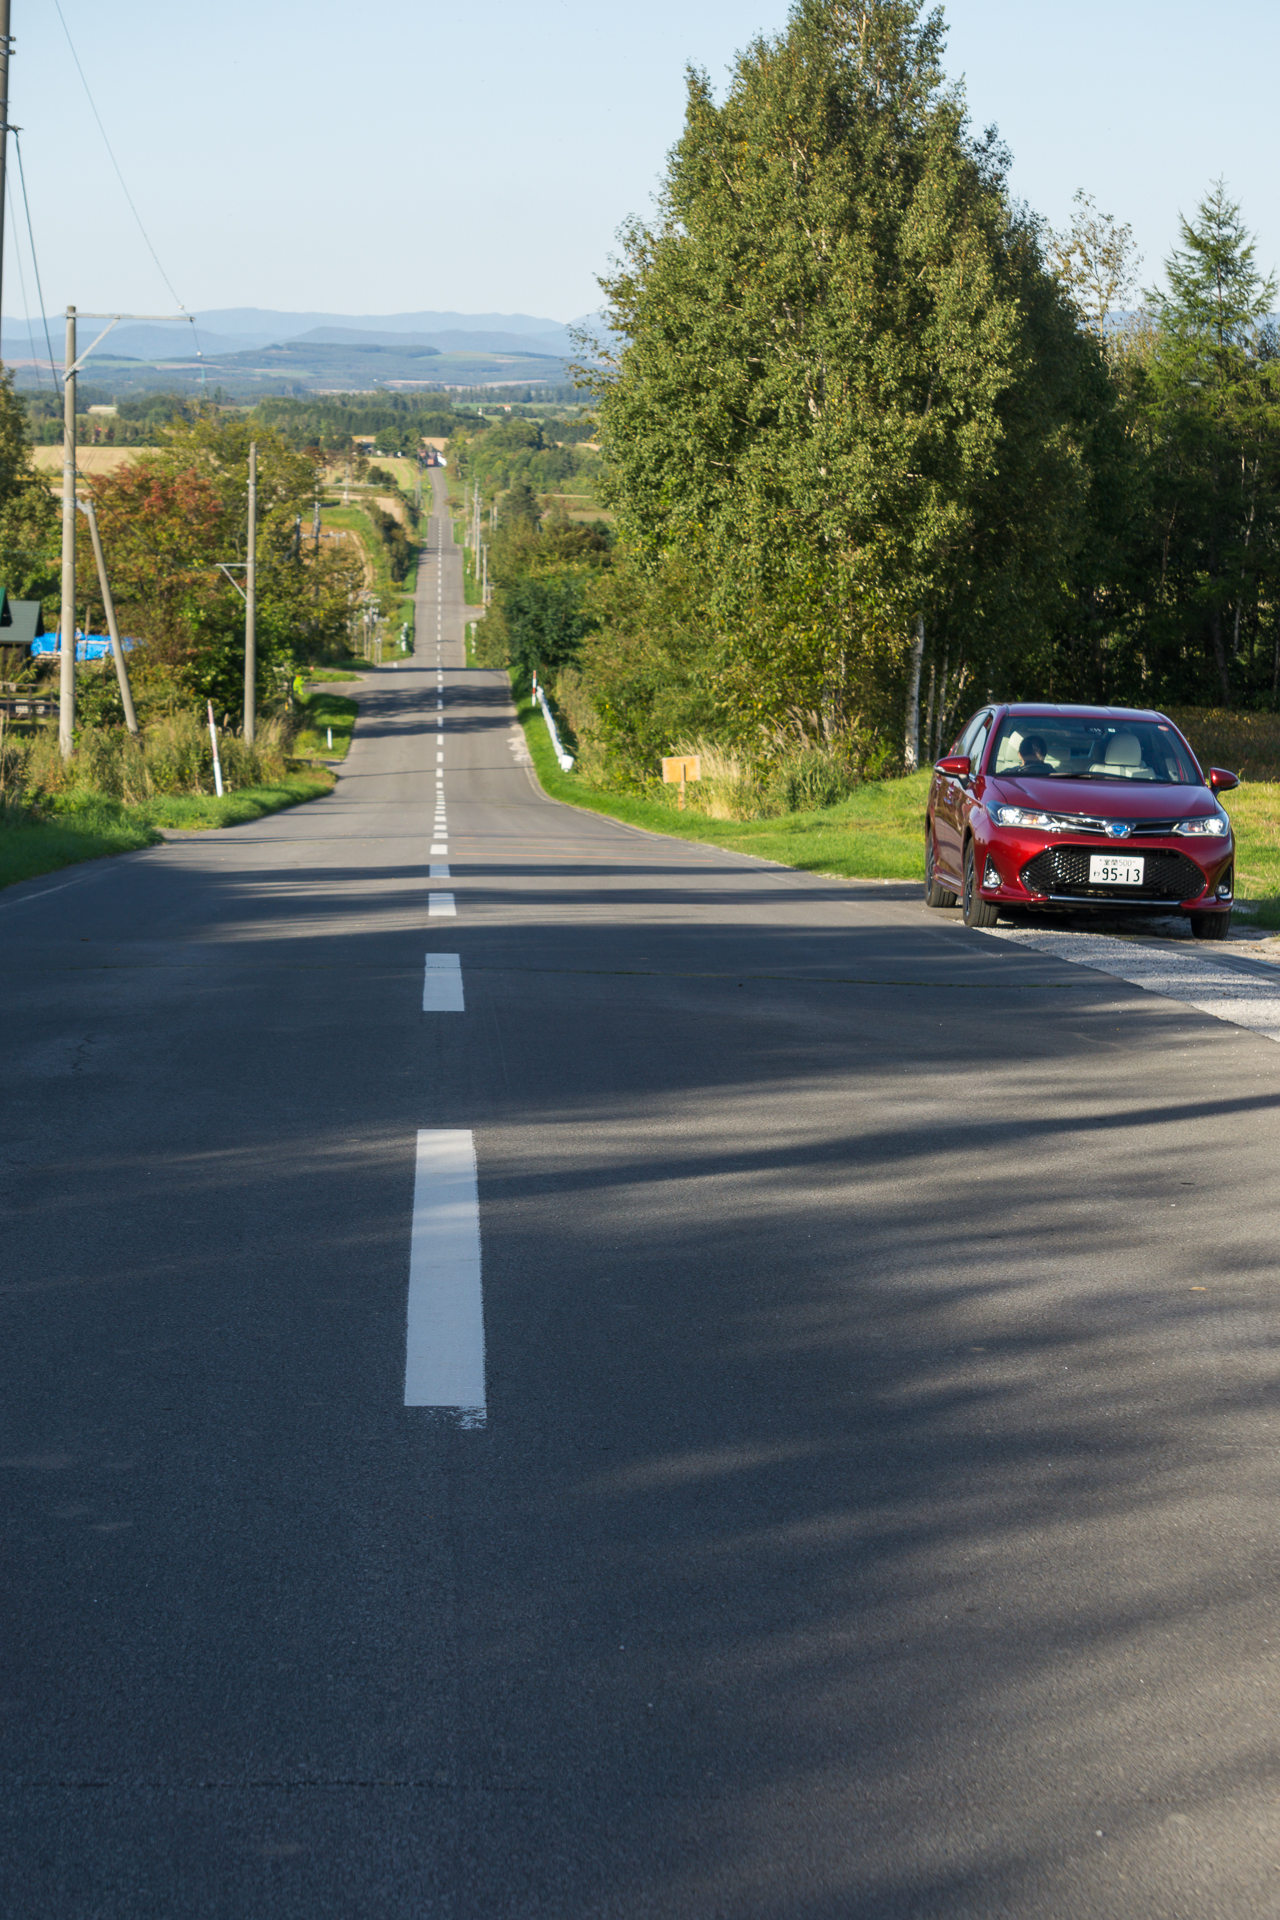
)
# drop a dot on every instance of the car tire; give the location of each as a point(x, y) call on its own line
point(1210, 926)
point(977, 911)
point(935, 895)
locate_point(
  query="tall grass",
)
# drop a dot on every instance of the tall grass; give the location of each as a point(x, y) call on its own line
point(173, 755)
point(802, 769)
point(1246, 743)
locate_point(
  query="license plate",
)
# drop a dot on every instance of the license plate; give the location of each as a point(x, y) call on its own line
point(1115, 870)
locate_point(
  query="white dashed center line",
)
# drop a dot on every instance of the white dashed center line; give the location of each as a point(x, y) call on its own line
point(442, 984)
point(444, 1350)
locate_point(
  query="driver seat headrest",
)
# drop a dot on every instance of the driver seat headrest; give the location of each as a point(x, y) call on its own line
point(1123, 750)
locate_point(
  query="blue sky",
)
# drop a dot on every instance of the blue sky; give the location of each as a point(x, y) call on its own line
point(481, 158)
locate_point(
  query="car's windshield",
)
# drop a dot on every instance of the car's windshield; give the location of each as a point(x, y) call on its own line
point(1058, 749)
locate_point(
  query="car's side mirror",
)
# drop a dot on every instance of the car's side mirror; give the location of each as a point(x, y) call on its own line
point(955, 764)
point(1221, 781)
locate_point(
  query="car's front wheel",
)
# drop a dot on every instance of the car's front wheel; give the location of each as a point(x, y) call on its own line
point(1210, 926)
point(935, 894)
point(977, 911)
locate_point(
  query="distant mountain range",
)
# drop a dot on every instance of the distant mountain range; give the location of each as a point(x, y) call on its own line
point(251, 349)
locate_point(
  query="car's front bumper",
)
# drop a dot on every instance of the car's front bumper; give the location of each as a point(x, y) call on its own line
point(1031, 869)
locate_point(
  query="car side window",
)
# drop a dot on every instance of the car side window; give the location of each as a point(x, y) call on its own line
point(969, 734)
point(977, 745)
point(973, 738)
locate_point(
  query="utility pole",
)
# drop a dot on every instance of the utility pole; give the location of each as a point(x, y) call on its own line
point(251, 603)
point(67, 622)
point(5, 49)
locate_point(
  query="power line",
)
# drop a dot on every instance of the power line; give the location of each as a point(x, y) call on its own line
point(115, 163)
point(35, 264)
point(22, 278)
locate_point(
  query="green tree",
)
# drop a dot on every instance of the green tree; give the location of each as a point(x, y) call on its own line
point(820, 348)
point(1212, 411)
point(169, 520)
point(1096, 262)
point(29, 518)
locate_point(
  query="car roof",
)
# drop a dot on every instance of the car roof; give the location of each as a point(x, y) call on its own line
point(1044, 710)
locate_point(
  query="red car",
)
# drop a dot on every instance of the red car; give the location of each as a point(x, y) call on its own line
point(1078, 807)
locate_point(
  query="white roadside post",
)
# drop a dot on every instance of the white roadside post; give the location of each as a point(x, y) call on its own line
point(213, 741)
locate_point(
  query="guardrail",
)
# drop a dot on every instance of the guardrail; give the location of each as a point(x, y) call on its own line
point(565, 759)
point(21, 708)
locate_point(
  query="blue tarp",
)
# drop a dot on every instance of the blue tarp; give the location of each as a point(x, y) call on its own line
point(89, 646)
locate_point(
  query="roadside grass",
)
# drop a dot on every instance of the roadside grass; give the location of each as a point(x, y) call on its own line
point(456, 503)
point(397, 599)
point(354, 520)
point(1255, 816)
point(88, 826)
point(29, 848)
point(472, 591)
point(878, 832)
point(201, 811)
point(321, 711)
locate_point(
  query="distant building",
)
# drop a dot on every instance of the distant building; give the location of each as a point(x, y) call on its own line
point(24, 625)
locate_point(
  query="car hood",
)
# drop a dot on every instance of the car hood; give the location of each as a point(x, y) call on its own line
point(1104, 799)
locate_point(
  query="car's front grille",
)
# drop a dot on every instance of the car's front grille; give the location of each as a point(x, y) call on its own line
point(1144, 829)
point(1065, 870)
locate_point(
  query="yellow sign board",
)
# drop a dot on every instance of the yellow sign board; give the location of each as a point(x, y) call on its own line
point(682, 767)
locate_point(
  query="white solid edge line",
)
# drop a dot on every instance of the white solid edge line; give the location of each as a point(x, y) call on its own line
point(442, 984)
point(444, 1343)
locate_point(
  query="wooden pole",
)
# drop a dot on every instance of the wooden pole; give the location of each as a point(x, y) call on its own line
point(67, 619)
point(5, 48)
point(109, 608)
point(251, 603)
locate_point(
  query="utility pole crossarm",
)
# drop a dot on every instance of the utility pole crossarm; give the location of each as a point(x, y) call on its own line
point(225, 566)
point(115, 319)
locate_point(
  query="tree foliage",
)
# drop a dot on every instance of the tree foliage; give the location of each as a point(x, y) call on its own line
point(847, 398)
point(1207, 398)
point(169, 519)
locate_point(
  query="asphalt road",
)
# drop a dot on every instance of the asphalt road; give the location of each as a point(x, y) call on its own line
point(874, 1513)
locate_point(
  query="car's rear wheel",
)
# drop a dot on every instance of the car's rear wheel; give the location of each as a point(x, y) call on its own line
point(1210, 926)
point(935, 895)
point(977, 911)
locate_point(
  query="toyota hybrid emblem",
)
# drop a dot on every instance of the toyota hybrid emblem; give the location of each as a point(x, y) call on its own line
point(1118, 830)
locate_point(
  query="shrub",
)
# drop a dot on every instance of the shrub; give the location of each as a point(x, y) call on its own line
point(173, 755)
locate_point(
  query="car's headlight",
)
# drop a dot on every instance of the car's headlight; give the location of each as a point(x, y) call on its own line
point(1211, 824)
point(1024, 817)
